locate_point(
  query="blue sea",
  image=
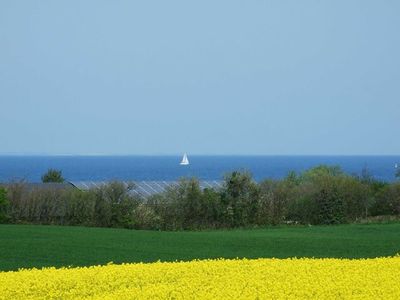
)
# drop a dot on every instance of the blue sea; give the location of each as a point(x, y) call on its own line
point(99, 168)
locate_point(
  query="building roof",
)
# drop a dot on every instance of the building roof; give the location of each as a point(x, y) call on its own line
point(39, 185)
point(145, 188)
point(141, 188)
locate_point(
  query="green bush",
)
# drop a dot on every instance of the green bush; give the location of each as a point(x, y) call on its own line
point(302, 210)
point(239, 199)
point(321, 195)
point(114, 205)
point(53, 175)
point(4, 205)
point(357, 196)
point(329, 204)
point(388, 201)
point(321, 171)
point(186, 206)
point(274, 198)
point(79, 207)
point(146, 218)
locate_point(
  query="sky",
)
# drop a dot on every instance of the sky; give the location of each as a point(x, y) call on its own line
point(203, 77)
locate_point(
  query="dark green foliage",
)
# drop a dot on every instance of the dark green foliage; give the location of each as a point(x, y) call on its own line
point(35, 205)
point(239, 199)
point(188, 203)
point(302, 210)
point(53, 175)
point(111, 205)
point(186, 206)
point(327, 195)
point(79, 208)
point(321, 195)
point(4, 204)
point(212, 208)
point(114, 206)
point(16, 194)
point(145, 217)
point(274, 197)
point(388, 201)
point(27, 246)
point(357, 197)
point(330, 208)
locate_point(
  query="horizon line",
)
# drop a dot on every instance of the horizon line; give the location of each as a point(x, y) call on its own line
point(180, 154)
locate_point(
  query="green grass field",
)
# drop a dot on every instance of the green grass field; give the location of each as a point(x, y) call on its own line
point(25, 246)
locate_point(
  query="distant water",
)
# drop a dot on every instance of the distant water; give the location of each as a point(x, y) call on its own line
point(96, 168)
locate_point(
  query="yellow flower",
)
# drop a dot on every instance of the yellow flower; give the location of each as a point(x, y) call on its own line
point(212, 279)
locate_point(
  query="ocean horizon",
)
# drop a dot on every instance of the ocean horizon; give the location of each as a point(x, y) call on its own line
point(166, 167)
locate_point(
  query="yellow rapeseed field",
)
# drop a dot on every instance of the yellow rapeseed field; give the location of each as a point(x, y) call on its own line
point(212, 279)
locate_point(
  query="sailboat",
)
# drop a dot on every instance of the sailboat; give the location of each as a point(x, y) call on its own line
point(185, 160)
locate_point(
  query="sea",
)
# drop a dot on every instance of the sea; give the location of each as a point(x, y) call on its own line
point(167, 168)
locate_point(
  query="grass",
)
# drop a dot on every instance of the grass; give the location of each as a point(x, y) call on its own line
point(27, 246)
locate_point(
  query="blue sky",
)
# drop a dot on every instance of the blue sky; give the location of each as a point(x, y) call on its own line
point(205, 77)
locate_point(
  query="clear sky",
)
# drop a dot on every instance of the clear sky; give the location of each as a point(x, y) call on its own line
point(205, 77)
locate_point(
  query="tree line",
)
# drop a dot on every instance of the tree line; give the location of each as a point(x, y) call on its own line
point(321, 195)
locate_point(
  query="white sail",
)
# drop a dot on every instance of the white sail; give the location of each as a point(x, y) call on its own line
point(185, 160)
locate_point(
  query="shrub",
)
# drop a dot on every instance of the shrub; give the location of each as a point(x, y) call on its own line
point(302, 210)
point(239, 199)
point(357, 196)
point(274, 197)
point(17, 193)
point(188, 202)
point(321, 195)
point(330, 205)
point(53, 175)
point(388, 201)
point(181, 206)
point(211, 209)
point(162, 207)
point(4, 205)
point(327, 194)
point(44, 206)
point(145, 217)
point(114, 205)
point(321, 171)
point(79, 207)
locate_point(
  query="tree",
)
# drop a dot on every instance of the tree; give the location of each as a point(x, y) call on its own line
point(330, 205)
point(321, 171)
point(3, 205)
point(388, 200)
point(323, 194)
point(273, 200)
point(240, 197)
point(115, 205)
point(189, 203)
point(53, 175)
point(183, 206)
